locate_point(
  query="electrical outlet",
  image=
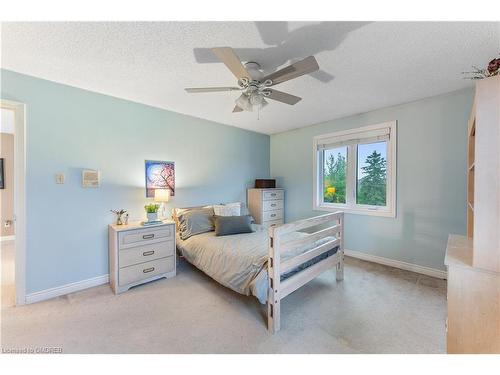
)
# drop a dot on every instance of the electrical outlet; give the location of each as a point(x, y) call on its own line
point(60, 178)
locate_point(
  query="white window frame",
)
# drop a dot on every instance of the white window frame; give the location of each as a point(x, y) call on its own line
point(351, 206)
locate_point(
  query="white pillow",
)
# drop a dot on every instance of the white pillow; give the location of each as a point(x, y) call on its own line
point(228, 209)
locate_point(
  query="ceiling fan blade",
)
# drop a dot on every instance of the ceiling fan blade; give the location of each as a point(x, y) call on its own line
point(283, 97)
point(193, 90)
point(306, 66)
point(232, 61)
point(237, 109)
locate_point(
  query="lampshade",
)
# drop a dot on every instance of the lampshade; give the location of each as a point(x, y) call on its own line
point(162, 195)
point(244, 103)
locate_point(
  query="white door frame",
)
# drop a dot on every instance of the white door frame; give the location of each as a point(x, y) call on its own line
point(19, 195)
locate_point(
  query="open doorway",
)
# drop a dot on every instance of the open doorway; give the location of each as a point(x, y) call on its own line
point(12, 201)
point(7, 228)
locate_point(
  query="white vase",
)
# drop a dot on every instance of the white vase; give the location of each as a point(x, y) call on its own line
point(152, 216)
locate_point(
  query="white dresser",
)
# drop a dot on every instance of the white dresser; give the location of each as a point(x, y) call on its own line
point(267, 206)
point(139, 254)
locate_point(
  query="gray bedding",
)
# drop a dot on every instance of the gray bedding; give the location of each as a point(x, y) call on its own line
point(239, 261)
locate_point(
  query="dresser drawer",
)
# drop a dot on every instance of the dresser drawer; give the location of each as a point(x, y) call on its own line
point(272, 194)
point(271, 223)
point(276, 204)
point(272, 215)
point(146, 235)
point(145, 270)
point(145, 253)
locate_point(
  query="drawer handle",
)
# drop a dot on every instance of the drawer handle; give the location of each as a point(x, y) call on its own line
point(273, 205)
point(273, 215)
point(273, 194)
point(147, 270)
point(148, 253)
point(148, 236)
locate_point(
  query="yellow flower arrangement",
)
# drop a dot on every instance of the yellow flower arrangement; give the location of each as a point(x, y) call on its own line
point(330, 190)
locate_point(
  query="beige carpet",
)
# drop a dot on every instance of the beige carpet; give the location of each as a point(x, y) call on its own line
point(376, 309)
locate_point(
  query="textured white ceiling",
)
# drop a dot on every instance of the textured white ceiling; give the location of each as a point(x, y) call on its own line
point(364, 65)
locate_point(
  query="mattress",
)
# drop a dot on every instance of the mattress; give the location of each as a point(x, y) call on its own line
point(239, 261)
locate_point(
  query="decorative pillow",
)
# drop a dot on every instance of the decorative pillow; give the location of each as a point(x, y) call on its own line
point(195, 221)
point(228, 209)
point(176, 212)
point(226, 225)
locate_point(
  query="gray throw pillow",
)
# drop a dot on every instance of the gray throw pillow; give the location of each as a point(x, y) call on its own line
point(195, 222)
point(226, 225)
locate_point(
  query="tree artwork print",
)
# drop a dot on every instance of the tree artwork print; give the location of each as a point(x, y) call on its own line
point(159, 175)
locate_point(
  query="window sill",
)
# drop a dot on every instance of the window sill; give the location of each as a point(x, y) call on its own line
point(356, 211)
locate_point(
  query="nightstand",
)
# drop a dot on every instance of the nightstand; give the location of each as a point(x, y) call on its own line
point(139, 254)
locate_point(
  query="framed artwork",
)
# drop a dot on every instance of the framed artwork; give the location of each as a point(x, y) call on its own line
point(2, 175)
point(159, 175)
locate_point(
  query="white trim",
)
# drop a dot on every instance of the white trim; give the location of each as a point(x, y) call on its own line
point(66, 289)
point(397, 264)
point(7, 238)
point(19, 195)
point(353, 208)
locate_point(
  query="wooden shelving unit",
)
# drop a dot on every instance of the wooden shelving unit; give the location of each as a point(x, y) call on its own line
point(473, 261)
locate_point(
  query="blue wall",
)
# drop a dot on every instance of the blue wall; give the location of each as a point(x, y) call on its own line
point(431, 178)
point(69, 129)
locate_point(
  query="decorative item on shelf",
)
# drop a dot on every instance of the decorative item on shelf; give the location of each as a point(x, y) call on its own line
point(125, 221)
point(265, 183)
point(151, 223)
point(162, 196)
point(159, 175)
point(152, 211)
point(492, 70)
point(119, 216)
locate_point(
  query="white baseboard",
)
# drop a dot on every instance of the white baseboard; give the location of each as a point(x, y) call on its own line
point(104, 279)
point(7, 238)
point(66, 289)
point(397, 264)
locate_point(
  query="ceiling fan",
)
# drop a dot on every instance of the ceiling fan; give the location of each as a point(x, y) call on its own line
point(255, 88)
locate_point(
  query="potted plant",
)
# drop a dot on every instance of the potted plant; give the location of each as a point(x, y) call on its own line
point(152, 211)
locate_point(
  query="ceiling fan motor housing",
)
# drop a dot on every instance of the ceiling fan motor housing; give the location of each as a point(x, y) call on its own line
point(255, 70)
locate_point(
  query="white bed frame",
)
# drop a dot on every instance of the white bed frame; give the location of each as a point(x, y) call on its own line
point(279, 290)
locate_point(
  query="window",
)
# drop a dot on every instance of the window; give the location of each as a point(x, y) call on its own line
point(355, 170)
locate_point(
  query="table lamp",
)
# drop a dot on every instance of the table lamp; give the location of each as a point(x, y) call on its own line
point(162, 196)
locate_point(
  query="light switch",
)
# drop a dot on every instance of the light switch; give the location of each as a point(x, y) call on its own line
point(60, 178)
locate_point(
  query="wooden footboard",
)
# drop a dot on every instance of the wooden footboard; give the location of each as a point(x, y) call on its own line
point(279, 290)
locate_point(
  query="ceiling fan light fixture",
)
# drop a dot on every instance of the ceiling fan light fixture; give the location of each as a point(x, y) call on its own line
point(244, 102)
point(256, 98)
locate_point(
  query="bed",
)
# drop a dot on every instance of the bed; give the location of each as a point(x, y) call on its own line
point(270, 263)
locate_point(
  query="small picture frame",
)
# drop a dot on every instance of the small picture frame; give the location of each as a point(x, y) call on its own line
point(2, 175)
point(91, 178)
